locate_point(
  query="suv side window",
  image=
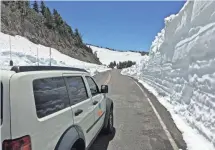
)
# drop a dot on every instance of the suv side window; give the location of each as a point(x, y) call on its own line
point(77, 89)
point(50, 95)
point(93, 86)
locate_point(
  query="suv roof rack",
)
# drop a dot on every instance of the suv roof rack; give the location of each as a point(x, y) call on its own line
point(18, 69)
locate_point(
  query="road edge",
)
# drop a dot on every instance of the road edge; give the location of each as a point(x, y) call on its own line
point(178, 139)
point(169, 136)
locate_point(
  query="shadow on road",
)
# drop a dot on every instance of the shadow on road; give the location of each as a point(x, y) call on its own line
point(102, 141)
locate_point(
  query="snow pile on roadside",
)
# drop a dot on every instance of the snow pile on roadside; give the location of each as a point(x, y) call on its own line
point(191, 136)
point(181, 67)
point(106, 56)
point(136, 69)
point(24, 52)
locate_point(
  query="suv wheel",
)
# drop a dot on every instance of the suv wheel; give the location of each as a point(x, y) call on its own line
point(109, 129)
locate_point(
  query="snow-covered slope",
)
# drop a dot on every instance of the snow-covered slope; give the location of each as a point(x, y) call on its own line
point(106, 56)
point(24, 52)
point(181, 66)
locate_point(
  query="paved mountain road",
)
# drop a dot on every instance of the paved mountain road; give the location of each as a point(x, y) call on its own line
point(136, 125)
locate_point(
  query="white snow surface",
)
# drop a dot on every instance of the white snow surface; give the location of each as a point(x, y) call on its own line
point(190, 135)
point(181, 69)
point(106, 56)
point(24, 52)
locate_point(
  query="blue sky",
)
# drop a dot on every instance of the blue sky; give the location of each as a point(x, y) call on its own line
point(118, 25)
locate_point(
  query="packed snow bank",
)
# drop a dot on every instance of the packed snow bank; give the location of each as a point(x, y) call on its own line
point(106, 56)
point(191, 136)
point(136, 69)
point(181, 66)
point(24, 52)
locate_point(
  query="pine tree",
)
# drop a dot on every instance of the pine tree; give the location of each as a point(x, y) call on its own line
point(68, 28)
point(120, 65)
point(117, 66)
point(49, 18)
point(111, 65)
point(27, 3)
point(78, 36)
point(47, 13)
point(114, 63)
point(55, 13)
point(76, 32)
point(35, 6)
point(43, 8)
point(57, 18)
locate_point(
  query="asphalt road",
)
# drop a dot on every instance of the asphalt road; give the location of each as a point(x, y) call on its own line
point(137, 126)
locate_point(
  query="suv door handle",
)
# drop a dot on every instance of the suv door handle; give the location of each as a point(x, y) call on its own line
point(95, 102)
point(78, 112)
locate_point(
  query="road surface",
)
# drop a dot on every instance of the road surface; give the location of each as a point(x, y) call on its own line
point(137, 126)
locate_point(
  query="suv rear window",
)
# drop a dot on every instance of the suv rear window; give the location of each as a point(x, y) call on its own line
point(50, 95)
point(1, 98)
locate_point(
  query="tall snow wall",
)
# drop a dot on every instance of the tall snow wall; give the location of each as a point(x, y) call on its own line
point(181, 64)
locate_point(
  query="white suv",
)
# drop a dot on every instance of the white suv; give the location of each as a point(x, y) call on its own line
point(52, 108)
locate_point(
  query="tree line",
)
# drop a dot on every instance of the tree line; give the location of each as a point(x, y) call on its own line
point(121, 65)
point(52, 19)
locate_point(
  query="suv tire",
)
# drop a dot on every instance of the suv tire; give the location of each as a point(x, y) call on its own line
point(109, 129)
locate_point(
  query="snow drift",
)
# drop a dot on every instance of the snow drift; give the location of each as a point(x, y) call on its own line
point(181, 65)
point(106, 56)
point(24, 52)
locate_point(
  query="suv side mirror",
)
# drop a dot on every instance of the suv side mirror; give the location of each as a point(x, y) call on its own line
point(104, 89)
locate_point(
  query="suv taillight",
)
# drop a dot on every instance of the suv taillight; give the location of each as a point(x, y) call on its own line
point(23, 143)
